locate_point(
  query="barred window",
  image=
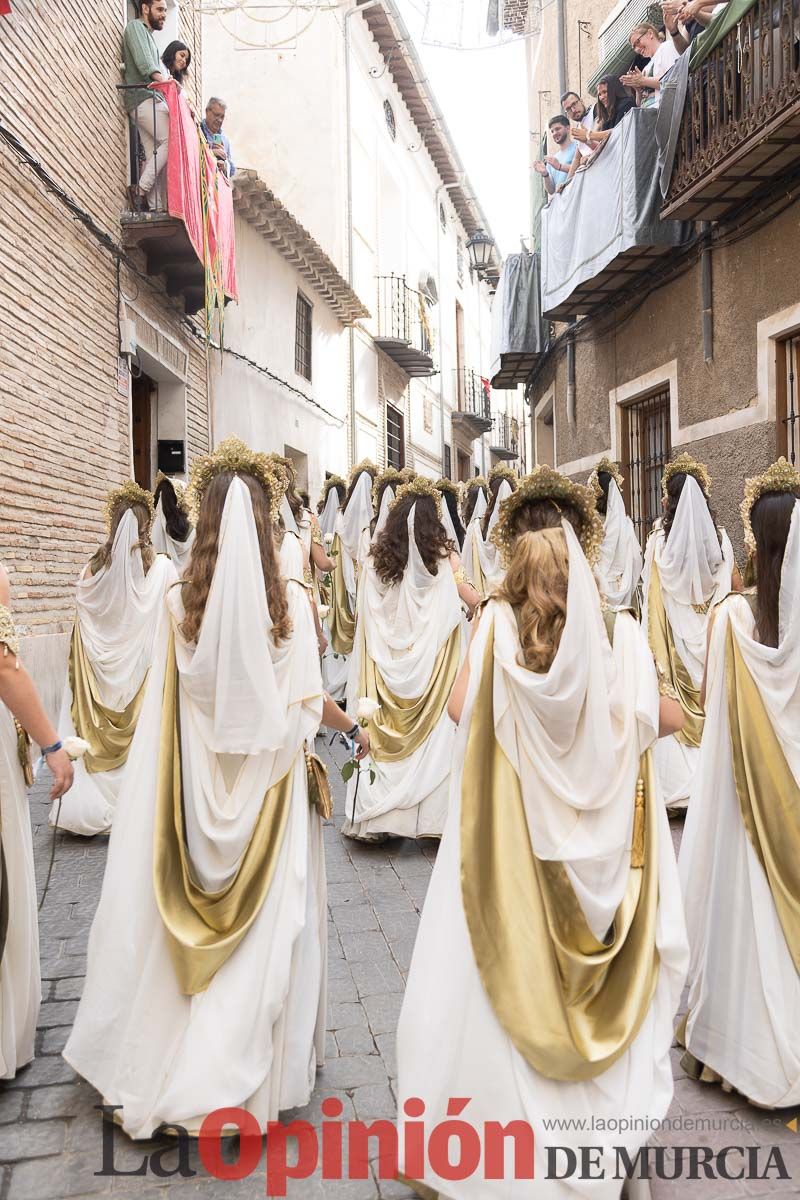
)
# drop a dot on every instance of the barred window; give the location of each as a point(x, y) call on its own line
point(788, 402)
point(646, 449)
point(395, 438)
point(448, 462)
point(302, 337)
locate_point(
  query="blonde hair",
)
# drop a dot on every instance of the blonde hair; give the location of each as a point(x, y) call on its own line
point(646, 27)
point(102, 557)
point(536, 588)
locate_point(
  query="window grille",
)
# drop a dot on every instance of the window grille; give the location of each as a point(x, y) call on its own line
point(302, 337)
point(788, 401)
point(646, 451)
point(395, 438)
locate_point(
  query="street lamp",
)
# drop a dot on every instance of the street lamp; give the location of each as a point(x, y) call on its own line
point(480, 248)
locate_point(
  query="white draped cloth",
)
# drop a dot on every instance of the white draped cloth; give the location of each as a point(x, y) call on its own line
point(403, 627)
point(367, 537)
point(254, 1037)
point(744, 993)
point(179, 553)
point(352, 526)
point(118, 611)
point(695, 565)
point(574, 736)
point(491, 572)
point(327, 520)
point(619, 566)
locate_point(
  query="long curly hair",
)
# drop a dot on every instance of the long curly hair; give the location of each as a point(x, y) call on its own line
point(102, 557)
point(675, 486)
point(536, 581)
point(178, 524)
point(494, 487)
point(390, 549)
point(197, 581)
point(771, 518)
point(473, 491)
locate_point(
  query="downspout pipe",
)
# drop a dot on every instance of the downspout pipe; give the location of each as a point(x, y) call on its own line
point(571, 417)
point(562, 48)
point(443, 187)
point(707, 296)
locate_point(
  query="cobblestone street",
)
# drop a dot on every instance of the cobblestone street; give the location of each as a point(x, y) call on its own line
point(50, 1132)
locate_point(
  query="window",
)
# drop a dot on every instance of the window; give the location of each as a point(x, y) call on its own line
point(448, 462)
point(302, 337)
point(787, 412)
point(442, 218)
point(645, 451)
point(391, 124)
point(395, 438)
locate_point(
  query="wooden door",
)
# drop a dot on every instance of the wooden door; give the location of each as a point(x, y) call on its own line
point(141, 394)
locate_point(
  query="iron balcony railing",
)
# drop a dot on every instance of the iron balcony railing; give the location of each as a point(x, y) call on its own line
point(403, 314)
point(472, 396)
point(505, 433)
point(745, 84)
point(143, 141)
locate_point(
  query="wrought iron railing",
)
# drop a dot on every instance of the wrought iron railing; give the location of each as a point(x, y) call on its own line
point(505, 433)
point(744, 84)
point(789, 399)
point(403, 314)
point(472, 395)
point(147, 139)
point(645, 452)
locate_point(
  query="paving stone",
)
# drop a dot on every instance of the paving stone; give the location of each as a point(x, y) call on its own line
point(355, 1041)
point(376, 979)
point(57, 1012)
point(387, 1047)
point(54, 1040)
point(364, 947)
point(375, 1101)
point(62, 1101)
point(31, 1139)
point(354, 918)
point(355, 1071)
point(11, 1105)
point(347, 1016)
point(44, 1071)
point(45, 1179)
point(68, 989)
point(383, 1012)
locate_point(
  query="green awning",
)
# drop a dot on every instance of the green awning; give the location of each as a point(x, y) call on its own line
point(615, 35)
point(723, 22)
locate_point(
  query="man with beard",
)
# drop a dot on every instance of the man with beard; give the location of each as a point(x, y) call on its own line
point(555, 169)
point(148, 109)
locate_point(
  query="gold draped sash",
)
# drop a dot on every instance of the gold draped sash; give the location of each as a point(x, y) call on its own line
point(478, 578)
point(670, 665)
point(204, 928)
point(769, 797)
point(341, 620)
point(401, 726)
point(571, 1004)
point(109, 733)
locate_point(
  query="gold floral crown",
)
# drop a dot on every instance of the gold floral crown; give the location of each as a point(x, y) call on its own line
point(233, 455)
point(129, 493)
point(366, 464)
point(780, 477)
point(391, 477)
point(283, 473)
point(447, 485)
point(545, 483)
point(420, 486)
point(609, 467)
point(503, 471)
point(408, 473)
point(177, 487)
point(684, 464)
point(331, 481)
point(476, 482)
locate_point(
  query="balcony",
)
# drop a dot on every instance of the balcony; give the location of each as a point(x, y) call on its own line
point(474, 412)
point(504, 439)
point(404, 330)
point(604, 235)
point(186, 229)
point(519, 335)
point(740, 124)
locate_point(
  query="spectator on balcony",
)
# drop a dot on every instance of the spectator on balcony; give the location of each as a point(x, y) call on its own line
point(650, 43)
point(556, 169)
point(177, 59)
point(577, 111)
point(613, 102)
point(217, 140)
point(147, 109)
point(686, 19)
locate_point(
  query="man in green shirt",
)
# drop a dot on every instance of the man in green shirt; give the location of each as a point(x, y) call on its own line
point(148, 110)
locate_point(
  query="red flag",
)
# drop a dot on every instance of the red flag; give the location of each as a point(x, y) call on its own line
point(5, 8)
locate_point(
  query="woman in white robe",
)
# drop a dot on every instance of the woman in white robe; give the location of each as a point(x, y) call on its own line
point(205, 983)
point(618, 569)
point(334, 671)
point(348, 550)
point(173, 534)
point(556, 877)
point(689, 567)
point(21, 716)
point(480, 556)
point(119, 607)
point(740, 854)
point(407, 651)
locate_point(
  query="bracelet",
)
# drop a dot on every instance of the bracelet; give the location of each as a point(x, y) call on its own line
point(51, 749)
point(351, 733)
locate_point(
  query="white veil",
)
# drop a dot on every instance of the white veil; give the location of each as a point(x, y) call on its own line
point(383, 512)
point(327, 520)
point(357, 516)
point(481, 504)
point(503, 492)
point(620, 563)
point(289, 522)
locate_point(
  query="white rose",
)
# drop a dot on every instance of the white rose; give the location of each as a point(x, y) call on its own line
point(328, 539)
point(324, 611)
point(366, 710)
point(75, 747)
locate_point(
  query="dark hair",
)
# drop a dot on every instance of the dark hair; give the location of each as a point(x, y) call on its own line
point(494, 488)
point(770, 517)
point(569, 92)
point(472, 500)
point(674, 489)
point(390, 548)
point(559, 120)
point(449, 498)
point(605, 113)
point(604, 479)
point(168, 59)
point(304, 496)
point(178, 524)
point(341, 492)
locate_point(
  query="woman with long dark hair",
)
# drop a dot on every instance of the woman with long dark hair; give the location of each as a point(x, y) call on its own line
point(551, 954)
point(407, 651)
point(613, 103)
point(214, 900)
point(740, 854)
point(177, 58)
point(173, 534)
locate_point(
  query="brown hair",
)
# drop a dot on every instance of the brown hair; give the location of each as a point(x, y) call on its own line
point(472, 499)
point(771, 518)
point(535, 584)
point(178, 524)
point(494, 488)
point(102, 557)
point(390, 550)
point(200, 572)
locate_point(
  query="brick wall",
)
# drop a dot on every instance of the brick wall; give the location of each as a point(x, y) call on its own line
point(64, 426)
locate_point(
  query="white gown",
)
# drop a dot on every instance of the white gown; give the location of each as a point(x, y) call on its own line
point(119, 611)
point(20, 980)
point(177, 552)
point(255, 1036)
point(350, 527)
point(619, 566)
point(744, 994)
point(577, 763)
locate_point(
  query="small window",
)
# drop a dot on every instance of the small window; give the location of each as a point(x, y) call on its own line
point(787, 375)
point(391, 124)
point(302, 337)
point(395, 438)
point(442, 218)
point(448, 462)
point(646, 448)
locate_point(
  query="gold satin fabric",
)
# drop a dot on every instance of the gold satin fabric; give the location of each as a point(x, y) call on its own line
point(769, 797)
point(478, 579)
point(401, 726)
point(204, 928)
point(108, 733)
point(341, 620)
point(670, 666)
point(571, 1004)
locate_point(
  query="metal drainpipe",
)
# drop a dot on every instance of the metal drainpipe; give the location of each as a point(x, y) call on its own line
point(443, 187)
point(562, 49)
point(350, 273)
point(707, 298)
point(571, 374)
